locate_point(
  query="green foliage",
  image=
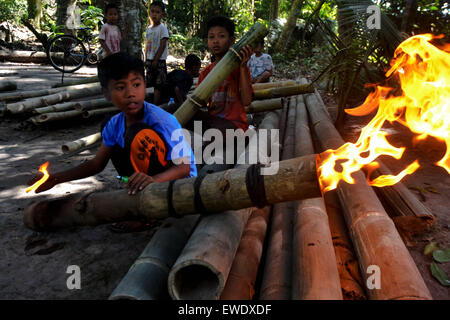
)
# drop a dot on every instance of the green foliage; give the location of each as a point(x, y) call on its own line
point(91, 17)
point(12, 10)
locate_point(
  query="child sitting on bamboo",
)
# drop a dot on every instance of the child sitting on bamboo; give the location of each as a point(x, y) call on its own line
point(137, 140)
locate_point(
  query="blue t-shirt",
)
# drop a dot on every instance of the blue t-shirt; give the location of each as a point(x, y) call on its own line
point(163, 123)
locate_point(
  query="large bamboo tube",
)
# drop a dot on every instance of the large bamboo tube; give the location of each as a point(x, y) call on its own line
point(277, 279)
point(93, 104)
point(264, 105)
point(266, 85)
point(209, 262)
point(7, 85)
point(92, 79)
point(30, 104)
point(81, 143)
point(271, 93)
point(19, 95)
point(218, 74)
point(376, 241)
point(55, 116)
point(96, 112)
point(315, 273)
point(23, 56)
point(55, 108)
point(147, 277)
point(295, 179)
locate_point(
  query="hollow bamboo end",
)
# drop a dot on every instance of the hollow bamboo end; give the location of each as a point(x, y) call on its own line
point(36, 216)
point(65, 149)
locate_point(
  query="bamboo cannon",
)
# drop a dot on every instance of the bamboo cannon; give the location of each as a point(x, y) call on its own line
point(55, 116)
point(147, 277)
point(66, 106)
point(30, 104)
point(92, 79)
point(7, 85)
point(373, 233)
point(277, 278)
point(315, 273)
point(209, 262)
point(217, 75)
point(81, 143)
point(266, 85)
point(96, 112)
point(271, 93)
point(264, 105)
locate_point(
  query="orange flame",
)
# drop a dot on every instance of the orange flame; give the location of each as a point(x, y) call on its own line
point(423, 107)
point(43, 169)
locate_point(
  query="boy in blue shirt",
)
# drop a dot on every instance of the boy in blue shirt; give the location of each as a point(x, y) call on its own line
point(138, 139)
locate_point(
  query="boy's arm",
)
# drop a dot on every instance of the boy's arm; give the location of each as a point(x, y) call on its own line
point(162, 47)
point(105, 47)
point(86, 169)
point(245, 84)
point(265, 75)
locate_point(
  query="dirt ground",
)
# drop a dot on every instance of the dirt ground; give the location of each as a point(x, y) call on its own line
point(33, 265)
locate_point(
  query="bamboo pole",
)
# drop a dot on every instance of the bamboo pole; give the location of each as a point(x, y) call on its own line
point(315, 273)
point(377, 242)
point(92, 79)
point(93, 104)
point(147, 277)
point(96, 112)
point(209, 262)
point(81, 143)
point(23, 56)
point(30, 104)
point(56, 108)
point(55, 116)
point(7, 85)
point(295, 179)
point(277, 278)
point(271, 93)
point(218, 74)
point(264, 105)
point(285, 83)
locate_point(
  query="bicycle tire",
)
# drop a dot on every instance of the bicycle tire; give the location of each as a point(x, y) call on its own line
point(73, 50)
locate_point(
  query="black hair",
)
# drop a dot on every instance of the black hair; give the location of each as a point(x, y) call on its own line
point(159, 4)
point(117, 66)
point(221, 21)
point(111, 6)
point(191, 61)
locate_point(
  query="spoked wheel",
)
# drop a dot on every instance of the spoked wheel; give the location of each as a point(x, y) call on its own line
point(66, 53)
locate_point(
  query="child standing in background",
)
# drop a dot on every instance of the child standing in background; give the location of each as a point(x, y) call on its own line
point(156, 50)
point(110, 35)
point(260, 64)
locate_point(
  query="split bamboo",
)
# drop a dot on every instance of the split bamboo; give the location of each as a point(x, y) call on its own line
point(96, 112)
point(218, 74)
point(209, 262)
point(92, 79)
point(283, 91)
point(222, 191)
point(30, 104)
point(264, 105)
point(147, 277)
point(377, 242)
point(56, 108)
point(55, 116)
point(81, 143)
point(315, 273)
point(285, 83)
point(277, 278)
point(8, 85)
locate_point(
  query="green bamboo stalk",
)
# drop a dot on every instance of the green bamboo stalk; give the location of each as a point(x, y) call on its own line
point(283, 91)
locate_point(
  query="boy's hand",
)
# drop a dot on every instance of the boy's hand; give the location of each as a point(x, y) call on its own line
point(50, 183)
point(137, 182)
point(246, 52)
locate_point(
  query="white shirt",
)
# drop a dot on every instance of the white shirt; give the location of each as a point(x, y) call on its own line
point(258, 65)
point(154, 35)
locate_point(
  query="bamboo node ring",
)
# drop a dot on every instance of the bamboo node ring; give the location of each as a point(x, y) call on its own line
point(236, 53)
point(195, 102)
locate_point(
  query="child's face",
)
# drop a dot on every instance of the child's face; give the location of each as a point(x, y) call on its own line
point(156, 14)
point(127, 94)
point(112, 16)
point(259, 48)
point(219, 41)
point(194, 71)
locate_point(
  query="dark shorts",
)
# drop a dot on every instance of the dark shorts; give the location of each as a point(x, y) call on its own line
point(156, 77)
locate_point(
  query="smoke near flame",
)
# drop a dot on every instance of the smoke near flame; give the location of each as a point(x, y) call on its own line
point(423, 106)
point(43, 169)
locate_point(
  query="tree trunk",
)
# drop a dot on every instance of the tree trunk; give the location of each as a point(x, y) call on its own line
point(408, 15)
point(35, 11)
point(285, 36)
point(274, 9)
point(132, 27)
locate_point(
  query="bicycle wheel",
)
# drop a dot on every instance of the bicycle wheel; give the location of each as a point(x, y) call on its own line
point(66, 53)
